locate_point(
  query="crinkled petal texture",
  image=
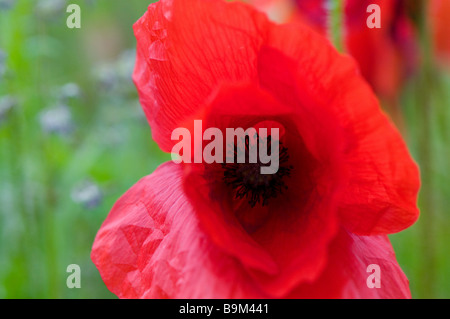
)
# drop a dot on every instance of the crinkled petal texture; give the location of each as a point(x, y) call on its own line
point(381, 195)
point(185, 49)
point(184, 232)
point(152, 245)
point(349, 270)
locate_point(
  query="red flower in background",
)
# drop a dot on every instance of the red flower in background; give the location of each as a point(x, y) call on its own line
point(185, 231)
point(312, 12)
point(386, 56)
point(439, 14)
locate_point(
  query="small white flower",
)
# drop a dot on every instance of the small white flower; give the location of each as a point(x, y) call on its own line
point(50, 8)
point(6, 104)
point(87, 194)
point(70, 91)
point(7, 4)
point(57, 120)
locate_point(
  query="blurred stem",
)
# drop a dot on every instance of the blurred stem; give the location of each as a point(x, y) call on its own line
point(425, 157)
point(47, 213)
point(18, 172)
point(336, 23)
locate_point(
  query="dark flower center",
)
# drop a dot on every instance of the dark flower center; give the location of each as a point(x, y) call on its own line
point(247, 181)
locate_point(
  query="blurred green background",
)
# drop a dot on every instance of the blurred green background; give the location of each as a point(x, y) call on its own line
point(73, 139)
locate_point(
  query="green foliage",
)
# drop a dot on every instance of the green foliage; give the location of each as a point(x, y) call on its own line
point(42, 228)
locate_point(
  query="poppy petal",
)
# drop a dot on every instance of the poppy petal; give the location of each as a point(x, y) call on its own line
point(353, 266)
point(381, 196)
point(184, 50)
point(151, 246)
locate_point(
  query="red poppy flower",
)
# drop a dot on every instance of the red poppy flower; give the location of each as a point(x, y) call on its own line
point(205, 231)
